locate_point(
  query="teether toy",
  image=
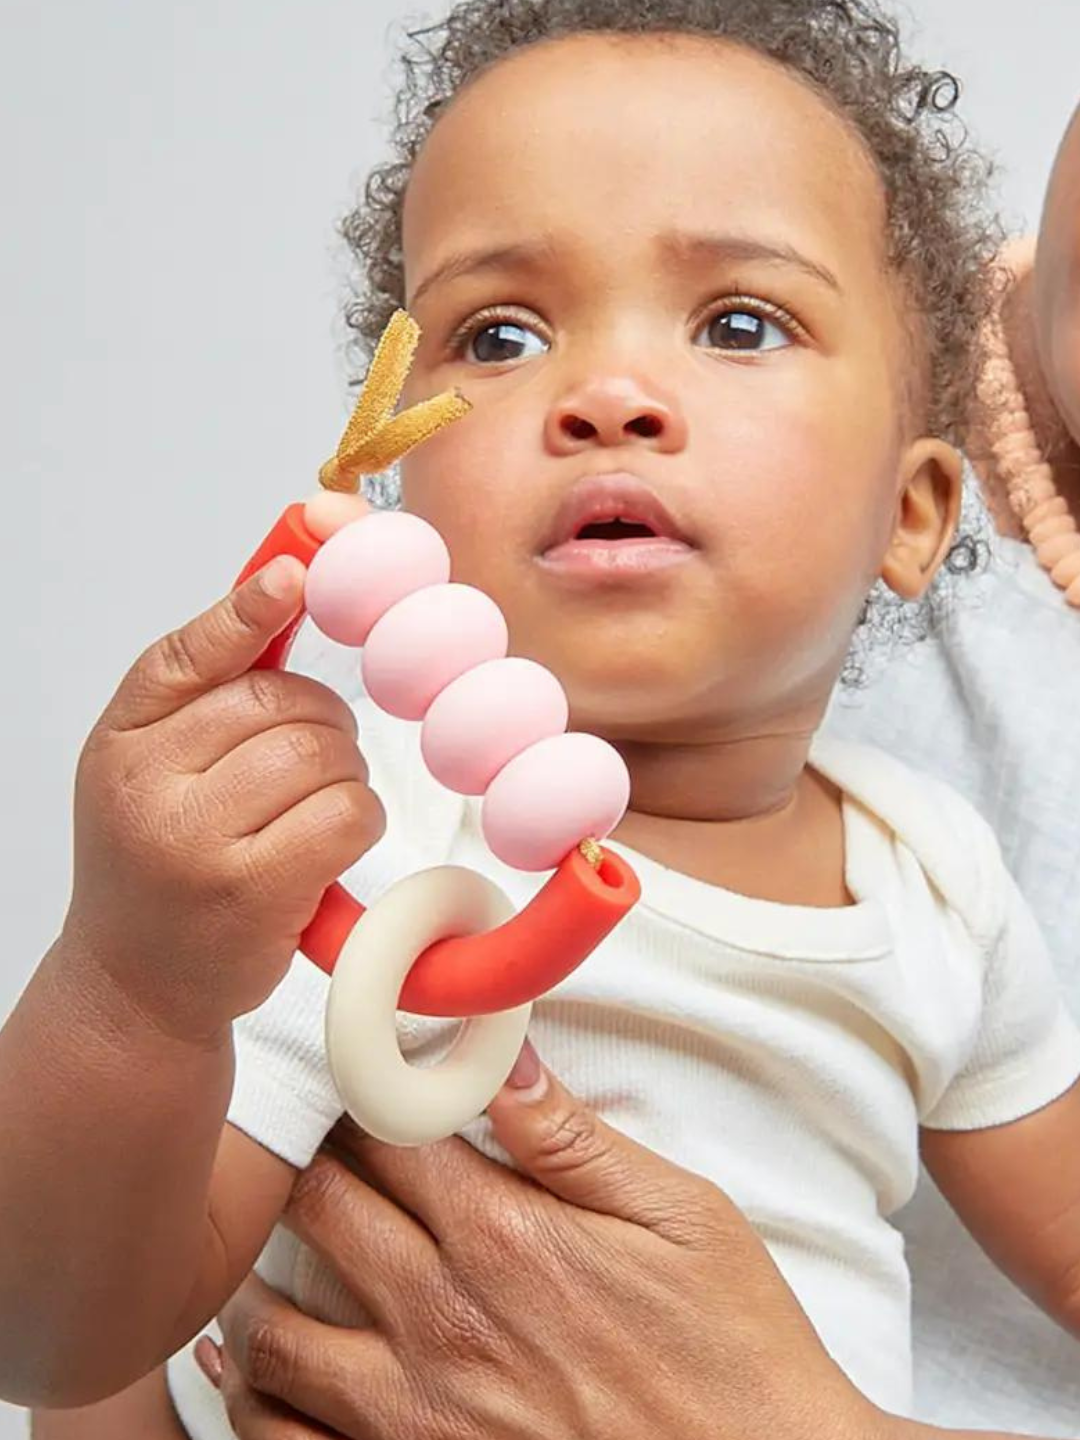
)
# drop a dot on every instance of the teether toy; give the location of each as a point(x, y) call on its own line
point(372, 440)
point(446, 941)
point(486, 717)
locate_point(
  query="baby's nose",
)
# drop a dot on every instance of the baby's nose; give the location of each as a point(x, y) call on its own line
point(612, 411)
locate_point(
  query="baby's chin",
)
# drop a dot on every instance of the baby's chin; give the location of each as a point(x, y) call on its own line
point(624, 693)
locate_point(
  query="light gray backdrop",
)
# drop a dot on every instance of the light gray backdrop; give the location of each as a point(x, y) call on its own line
point(169, 280)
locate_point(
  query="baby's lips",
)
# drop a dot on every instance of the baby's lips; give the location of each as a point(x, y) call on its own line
point(613, 495)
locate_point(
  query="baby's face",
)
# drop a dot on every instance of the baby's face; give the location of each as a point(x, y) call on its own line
point(660, 264)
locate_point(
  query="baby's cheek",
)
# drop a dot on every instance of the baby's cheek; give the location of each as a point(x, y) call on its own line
point(769, 476)
point(452, 481)
point(813, 488)
point(800, 519)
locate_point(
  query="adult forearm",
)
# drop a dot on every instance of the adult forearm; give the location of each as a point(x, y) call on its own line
point(108, 1129)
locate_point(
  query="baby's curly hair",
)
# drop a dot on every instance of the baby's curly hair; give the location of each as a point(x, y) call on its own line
point(940, 234)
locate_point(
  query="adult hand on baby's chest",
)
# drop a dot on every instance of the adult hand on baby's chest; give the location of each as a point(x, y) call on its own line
point(612, 1295)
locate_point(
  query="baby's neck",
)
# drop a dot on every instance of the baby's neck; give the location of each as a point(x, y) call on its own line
point(722, 781)
point(747, 815)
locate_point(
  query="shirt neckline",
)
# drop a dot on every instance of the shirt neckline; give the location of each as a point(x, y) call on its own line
point(859, 931)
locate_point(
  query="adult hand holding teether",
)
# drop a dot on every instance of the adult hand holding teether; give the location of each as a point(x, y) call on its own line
point(445, 942)
point(213, 806)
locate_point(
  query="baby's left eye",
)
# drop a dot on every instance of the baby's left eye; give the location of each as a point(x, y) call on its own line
point(745, 330)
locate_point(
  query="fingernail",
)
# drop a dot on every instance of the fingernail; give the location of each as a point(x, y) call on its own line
point(279, 577)
point(208, 1359)
point(528, 1079)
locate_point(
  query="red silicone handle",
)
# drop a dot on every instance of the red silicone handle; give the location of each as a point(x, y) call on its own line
point(475, 974)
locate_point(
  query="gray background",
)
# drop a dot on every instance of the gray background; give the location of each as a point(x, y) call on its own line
point(169, 368)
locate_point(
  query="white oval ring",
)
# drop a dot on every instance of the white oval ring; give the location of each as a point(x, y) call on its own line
point(389, 1098)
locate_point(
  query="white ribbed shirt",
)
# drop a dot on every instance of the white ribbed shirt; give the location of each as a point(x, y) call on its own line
point(788, 1053)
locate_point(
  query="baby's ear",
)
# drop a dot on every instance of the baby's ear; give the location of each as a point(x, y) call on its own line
point(927, 513)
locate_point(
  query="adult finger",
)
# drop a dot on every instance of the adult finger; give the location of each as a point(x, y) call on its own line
point(380, 1253)
point(325, 1372)
point(258, 1417)
point(218, 645)
point(442, 1185)
point(562, 1144)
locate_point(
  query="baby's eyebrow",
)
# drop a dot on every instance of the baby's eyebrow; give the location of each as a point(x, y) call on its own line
point(675, 245)
point(524, 255)
point(681, 245)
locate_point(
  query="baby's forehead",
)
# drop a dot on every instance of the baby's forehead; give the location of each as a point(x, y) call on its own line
point(656, 134)
point(658, 89)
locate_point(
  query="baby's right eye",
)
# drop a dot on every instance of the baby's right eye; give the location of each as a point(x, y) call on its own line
point(504, 340)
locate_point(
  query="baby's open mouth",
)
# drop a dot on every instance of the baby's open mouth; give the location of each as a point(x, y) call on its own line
point(616, 530)
point(617, 509)
point(613, 527)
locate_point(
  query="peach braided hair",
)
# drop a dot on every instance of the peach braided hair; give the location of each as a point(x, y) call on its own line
point(1020, 484)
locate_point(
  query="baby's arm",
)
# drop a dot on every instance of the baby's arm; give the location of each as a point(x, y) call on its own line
point(1016, 1187)
point(212, 809)
point(1001, 1132)
point(130, 1214)
point(1003, 1139)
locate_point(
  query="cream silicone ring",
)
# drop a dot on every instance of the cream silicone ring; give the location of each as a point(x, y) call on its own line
point(392, 1100)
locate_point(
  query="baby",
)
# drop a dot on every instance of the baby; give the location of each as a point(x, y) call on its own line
point(709, 280)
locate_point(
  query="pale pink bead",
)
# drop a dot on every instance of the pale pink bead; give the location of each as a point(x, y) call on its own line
point(551, 797)
point(367, 567)
point(486, 717)
point(1067, 570)
point(425, 641)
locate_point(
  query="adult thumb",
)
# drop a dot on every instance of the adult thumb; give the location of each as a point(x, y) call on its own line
point(562, 1144)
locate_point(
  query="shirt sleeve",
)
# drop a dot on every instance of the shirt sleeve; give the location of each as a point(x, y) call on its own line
point(1026, 1051)
point(283, 1093)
